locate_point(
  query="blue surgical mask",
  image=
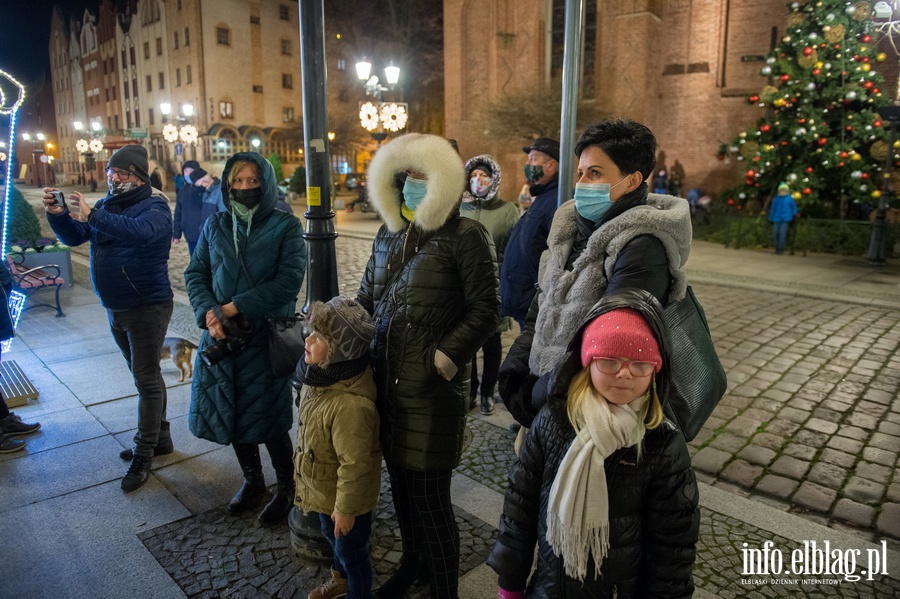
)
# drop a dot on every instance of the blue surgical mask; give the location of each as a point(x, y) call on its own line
point(592, 200)
point(414, 192)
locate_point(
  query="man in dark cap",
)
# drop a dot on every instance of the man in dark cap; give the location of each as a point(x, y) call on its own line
point(528, 238)
point(131, 228)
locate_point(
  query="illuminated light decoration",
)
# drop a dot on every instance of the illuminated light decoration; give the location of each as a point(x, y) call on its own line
point(96, 145)
point(368, 116)
point(189, 134)
point(170, 133)
point(3, 156)
point(11, 110)
point(81, 145)
point(393, 117)
point(16, 304)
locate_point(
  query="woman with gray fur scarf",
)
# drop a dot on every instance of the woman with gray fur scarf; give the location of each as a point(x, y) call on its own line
point(614, 234)
point(431, 286)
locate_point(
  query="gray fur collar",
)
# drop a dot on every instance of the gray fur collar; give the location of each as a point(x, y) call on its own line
point(429, 154)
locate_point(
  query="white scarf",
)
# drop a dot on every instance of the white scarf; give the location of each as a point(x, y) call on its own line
point(578, 512)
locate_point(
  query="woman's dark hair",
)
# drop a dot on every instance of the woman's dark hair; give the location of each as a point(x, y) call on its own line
point(630, 145)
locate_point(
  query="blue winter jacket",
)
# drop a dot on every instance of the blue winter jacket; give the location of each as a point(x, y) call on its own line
point(783, 209)
point(130, 236)
point(527, 241)
point(188, 218)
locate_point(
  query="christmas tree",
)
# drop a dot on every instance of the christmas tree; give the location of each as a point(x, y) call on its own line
point(821, 132)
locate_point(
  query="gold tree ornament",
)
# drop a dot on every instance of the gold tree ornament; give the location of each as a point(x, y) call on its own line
point(768, 93)
point(795, 18)
point(862, 12)
point(878, 151)
point(807, 62)
point(749, 150)
point(835, 34)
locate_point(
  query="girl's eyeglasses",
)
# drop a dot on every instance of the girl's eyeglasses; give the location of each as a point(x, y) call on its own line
point(614, 365)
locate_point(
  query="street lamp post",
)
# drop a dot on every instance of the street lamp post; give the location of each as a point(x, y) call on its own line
point(379, 117)
point(35, 153)
point(172, 132)
point(876, 253)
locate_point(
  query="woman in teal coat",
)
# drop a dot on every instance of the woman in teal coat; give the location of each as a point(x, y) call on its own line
point(248, 264)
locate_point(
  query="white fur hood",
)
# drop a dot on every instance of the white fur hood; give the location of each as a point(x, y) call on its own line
point(429, 154)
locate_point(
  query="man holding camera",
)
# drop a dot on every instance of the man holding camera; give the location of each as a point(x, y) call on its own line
point(130, 233)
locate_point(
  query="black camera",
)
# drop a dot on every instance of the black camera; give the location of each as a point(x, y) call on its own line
point(238, 333)
point(58, 198)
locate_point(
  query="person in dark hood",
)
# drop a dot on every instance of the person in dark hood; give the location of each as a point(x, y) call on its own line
point(129, 230)
point(189, 200)
point(431, 288)
point(248, 264)
point(481, 203)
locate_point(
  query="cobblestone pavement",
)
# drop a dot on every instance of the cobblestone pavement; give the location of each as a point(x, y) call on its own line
point(810, 425)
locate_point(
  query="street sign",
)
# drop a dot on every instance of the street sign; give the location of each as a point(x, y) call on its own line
point(138, 132)
point(179, 149)
point(45, 159)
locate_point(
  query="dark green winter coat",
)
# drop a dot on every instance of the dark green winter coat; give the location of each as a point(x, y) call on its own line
point(239, 400)
point(446, 298)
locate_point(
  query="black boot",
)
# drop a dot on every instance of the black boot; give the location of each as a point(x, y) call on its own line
point(282, 454)
point(401, 580)
point(254, 487)
point(487, 405)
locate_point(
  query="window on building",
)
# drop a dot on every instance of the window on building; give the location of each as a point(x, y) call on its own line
point(257, 89)
point(176, 40)
point(178, 5)
point(125, 87)
point(137, 118)
point(162, 81)
point(159, 46)
point(187, 36)
point(149, 83)
point(223, 36)
point(134, 88)
point(178, 77)
point(128, 120)
point(150, 120)
point(226, 110)
point(286, 47)
point(288, 114)
point(187, 74)
point(115, 94)
point(132, 55)
point(146, 54)
point(254, 19)
point(284, 12)
point(341, 64)
point(108, 124)
point(287, 81)
point(106, 93)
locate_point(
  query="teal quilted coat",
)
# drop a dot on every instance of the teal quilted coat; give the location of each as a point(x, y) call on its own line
point(239, 400)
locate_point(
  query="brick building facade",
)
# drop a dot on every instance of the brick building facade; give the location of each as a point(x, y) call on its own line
point(682, 67)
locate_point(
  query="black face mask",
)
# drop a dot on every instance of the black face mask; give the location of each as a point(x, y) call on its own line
point(247, 197)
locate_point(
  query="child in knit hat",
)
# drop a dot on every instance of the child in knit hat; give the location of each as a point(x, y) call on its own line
point(338, 458)
point(604, 482)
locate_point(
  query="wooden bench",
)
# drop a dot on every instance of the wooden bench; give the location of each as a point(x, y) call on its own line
point(31, 280)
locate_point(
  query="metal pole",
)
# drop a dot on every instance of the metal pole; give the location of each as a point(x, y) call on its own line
point(321, 281)
point(321, 278)
point(571, 78)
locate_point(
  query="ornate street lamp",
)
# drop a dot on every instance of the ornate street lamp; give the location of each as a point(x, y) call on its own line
point(379, 117)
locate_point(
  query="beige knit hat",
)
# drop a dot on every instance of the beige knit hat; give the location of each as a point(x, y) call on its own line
point(345, 325)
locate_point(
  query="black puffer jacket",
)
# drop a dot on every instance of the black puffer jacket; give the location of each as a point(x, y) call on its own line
point(445, 298)
point(653, 514)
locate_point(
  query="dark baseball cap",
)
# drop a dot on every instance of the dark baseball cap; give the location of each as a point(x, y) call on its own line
point(548, 146)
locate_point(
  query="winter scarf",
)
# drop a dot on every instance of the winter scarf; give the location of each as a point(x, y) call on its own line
point(578, 509)
point(316, 376)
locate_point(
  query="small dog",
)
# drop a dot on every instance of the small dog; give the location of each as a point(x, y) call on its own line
point(182, 352)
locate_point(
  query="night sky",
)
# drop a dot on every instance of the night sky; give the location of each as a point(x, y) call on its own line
point(24, 35)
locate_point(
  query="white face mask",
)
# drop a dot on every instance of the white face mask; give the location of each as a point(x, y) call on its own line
point(479, 189)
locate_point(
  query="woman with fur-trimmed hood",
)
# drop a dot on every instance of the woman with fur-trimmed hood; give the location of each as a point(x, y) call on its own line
point(431, 286)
